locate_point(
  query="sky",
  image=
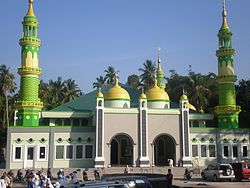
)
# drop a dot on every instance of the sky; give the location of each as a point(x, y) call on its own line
point(81, 38)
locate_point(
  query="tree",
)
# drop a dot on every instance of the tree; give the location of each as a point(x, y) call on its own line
point(148, 74)
point(198, 92)
point(71, 90)
point(133, 81)
point(110, 75)
point(7, 85)
point(100, 81)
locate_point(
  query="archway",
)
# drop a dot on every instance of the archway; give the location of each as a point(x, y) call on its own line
point(121, 150)
point(164, 149)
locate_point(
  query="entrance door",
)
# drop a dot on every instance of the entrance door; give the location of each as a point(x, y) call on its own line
point(30, 156)
point(121, 151)
point(164, 149)
point(114, 152)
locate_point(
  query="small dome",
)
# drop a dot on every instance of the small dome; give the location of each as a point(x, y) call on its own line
point(191, 107)
point(117, 92)
point(99, 94)
point(184, 97)
point(143, 96)
point(156, 93)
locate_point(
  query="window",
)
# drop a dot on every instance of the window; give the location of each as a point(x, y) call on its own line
point(76, 122)
point(79, 151)
point(235, 151)
point(88, 151)
point(194, 150)
point(211, 149)
point(59, 152)
point(58, 122)
point(226, 151)
point(30, 153)
point(67, 122)
point(203, 151)
point(69, 152)
point(18, 153)
point(42, 152)
point(244, 151)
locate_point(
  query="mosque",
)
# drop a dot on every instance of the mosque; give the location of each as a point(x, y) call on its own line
point(119, 125)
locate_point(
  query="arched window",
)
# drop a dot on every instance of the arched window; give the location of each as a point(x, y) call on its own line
point(143, 104)
point(99, 103)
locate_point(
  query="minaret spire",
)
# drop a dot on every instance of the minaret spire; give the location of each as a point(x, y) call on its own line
point(227, 109)
point(159, 72)
point(224, 17)
point(29, 104)
point(31, 10)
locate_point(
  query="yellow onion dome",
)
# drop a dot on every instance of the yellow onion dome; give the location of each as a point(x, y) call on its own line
point(142, 96)
point(99, 94)
point(184, 97)
point(117, 92)
point(157, 94)
point(191, 107)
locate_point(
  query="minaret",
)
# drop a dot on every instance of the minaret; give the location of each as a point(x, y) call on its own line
point(29, 105)
point(160, 73)
point(227, 110)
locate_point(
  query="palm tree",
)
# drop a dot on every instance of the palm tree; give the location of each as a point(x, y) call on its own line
point(148, 73)
point(100, 81)
point(7, 85)
point(134, 81)
point(111, 74)
point(71, 90)
point(198, 92)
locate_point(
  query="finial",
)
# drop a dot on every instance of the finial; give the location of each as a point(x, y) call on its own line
point(30, 11)
point(159, 55)
point(224, 15)
point(116, 79)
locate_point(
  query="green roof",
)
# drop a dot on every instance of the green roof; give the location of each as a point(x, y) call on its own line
point(87, 102)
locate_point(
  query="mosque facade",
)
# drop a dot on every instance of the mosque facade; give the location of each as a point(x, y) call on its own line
point(119, 125)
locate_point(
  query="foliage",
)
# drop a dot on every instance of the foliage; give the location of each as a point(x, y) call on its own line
point(100, 81)
point(134, 81)
point(7, 89)
point(110, 75)
point(58, 92)
point(148, 74)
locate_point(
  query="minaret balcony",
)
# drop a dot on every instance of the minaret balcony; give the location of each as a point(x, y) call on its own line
point(225, 52)
point(231, 109)
point(29, 104)
point(226, 78)
point(30, 71)
point(30, 41)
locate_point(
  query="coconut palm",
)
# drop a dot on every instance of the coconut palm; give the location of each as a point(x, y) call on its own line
point(100, 81)
point(7, 85)
point(71, 90)
point(148, 73)
point(110, 75)
point(198, 92)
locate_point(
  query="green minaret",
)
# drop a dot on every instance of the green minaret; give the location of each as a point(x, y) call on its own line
point(29, 104)
point(159, 73)
point(227, 110)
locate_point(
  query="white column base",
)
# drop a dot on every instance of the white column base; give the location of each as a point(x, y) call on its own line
point(99, 162)
point(144, 162)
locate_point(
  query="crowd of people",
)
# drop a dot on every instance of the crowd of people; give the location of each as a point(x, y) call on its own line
point(46, 179)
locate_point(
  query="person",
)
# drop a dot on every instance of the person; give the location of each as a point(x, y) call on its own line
point(49, 174)
point(169, 179)
point(6, 180)
point(170, 162)
point(2, 183)
point(97, 174)
point(30, 183)
point(85, 175)
point(126, 170)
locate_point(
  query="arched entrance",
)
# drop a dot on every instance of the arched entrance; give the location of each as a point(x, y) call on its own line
point(121, 150)
point(164, 149)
